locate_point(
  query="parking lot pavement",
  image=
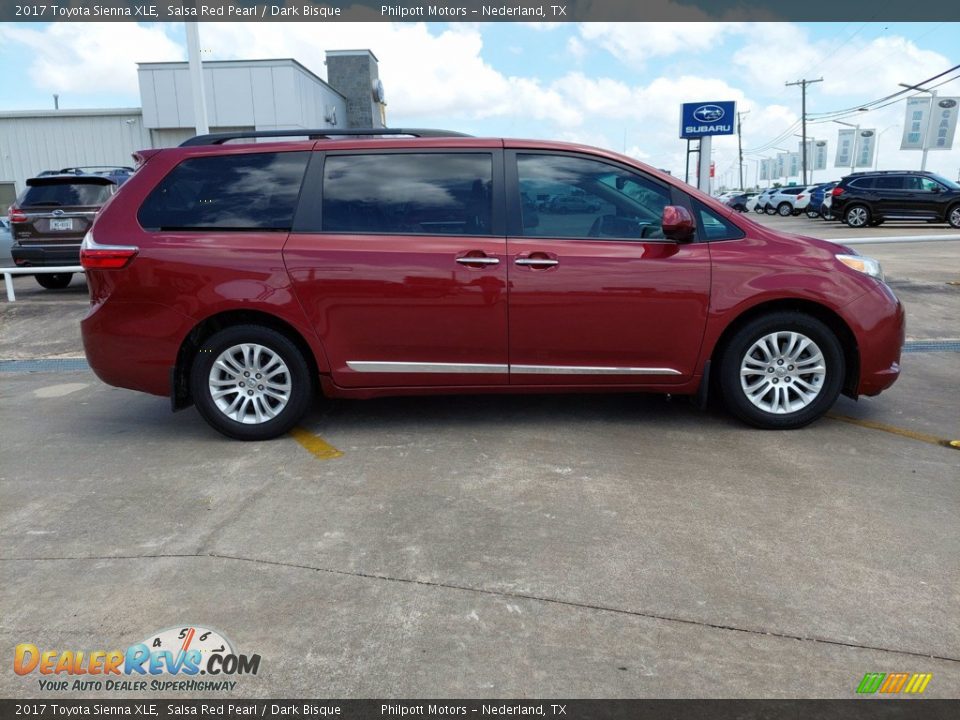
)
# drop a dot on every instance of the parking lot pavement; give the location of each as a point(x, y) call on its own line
point(495, 546)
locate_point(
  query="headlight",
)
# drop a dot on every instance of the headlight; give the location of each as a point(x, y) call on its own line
point(860, 263)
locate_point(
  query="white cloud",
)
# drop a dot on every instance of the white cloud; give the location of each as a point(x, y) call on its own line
point(635, 43)
point(90, 57)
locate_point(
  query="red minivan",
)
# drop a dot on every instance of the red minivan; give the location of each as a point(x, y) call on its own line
point(242, 277)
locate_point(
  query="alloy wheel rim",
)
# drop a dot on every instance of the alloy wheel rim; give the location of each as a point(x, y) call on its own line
point(857, 216)
point(250, 383)
point(955, 217)
point(783, 372)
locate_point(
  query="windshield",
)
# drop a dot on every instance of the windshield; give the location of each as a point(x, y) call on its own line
point(943, 181)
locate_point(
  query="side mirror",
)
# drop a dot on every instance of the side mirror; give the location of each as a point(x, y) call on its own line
point(677, 223)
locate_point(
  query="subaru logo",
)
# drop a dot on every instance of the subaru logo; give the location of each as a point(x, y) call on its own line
point(708, 113)
point(58, 213)
point(866, 133)
point(947, 103)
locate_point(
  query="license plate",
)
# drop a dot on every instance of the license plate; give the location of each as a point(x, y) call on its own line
point(61, 224)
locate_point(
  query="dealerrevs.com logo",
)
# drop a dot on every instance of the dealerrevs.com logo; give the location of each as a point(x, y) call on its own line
point(170, 660)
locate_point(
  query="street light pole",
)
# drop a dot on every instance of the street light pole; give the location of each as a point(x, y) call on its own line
point(876, 157)
point(740, 143)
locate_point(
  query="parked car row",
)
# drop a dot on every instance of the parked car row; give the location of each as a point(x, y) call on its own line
point(862, 199)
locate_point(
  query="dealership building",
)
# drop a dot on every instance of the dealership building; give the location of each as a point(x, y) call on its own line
point(241, 95)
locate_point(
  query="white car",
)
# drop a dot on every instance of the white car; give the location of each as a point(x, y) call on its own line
point(803, 199)
point(6, 239)
point(783, 202)
point(759, 203)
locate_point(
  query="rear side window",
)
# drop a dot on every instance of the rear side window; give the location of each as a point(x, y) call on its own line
point(408, 193)
point(227, 192)
point(66, 193)
point(862, 183)
point(894, 182)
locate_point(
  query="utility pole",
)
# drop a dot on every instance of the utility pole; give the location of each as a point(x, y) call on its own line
point(803, 112)
point(196, 79)
point(740, 144)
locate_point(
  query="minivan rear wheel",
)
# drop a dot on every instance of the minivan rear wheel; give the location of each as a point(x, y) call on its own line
point(54, 281)
point(781, 371)
point(250, 382)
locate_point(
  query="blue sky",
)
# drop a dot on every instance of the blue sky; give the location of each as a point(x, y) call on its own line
point(617, 85)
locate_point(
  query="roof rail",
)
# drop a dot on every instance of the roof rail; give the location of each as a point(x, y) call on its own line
point(220, 138)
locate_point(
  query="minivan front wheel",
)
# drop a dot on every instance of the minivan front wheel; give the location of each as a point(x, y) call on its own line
point(857, 216)
point(781, 371)
point(54, 281)
point(250, 382)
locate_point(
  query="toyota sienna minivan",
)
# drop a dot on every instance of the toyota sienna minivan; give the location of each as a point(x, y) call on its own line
point(244, 278)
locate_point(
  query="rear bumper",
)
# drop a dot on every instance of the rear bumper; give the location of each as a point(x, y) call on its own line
point(45, 256)
point(134, 344)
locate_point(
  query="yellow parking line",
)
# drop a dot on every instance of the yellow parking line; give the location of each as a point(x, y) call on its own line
point(902, 432)
point(314, 444)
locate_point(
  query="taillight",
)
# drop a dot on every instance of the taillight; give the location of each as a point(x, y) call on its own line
point(800, 197)
point(837, 192)
point(94, 256)
point(15, 214)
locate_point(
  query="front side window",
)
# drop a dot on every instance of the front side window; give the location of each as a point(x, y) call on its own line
point(715, 227)
point(408, 193)
point(573, 197)
point(915, 182)
point(255, 191)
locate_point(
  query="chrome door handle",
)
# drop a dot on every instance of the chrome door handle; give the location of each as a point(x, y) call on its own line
point(478, 261)
point(536, 262)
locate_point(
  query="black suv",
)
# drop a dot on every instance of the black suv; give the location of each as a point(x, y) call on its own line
point(50, 218)
point(870, 198)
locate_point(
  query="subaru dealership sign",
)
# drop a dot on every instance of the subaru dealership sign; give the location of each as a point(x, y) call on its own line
point(701, 119)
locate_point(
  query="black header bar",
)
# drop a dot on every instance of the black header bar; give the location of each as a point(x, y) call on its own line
point(477, 11)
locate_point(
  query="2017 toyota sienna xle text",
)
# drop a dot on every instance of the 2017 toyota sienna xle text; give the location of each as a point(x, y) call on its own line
point(243, 277)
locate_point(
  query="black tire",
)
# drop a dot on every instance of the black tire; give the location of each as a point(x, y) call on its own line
point(784, 209)
point(54, 281)
point(812, 214)
point(770, 210)
point(298, 374)
point(758, 210)
point(953, 216)
point(857, 216)
point(734, 352)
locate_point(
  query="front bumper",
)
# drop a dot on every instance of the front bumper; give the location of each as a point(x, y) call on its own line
point(879, 323)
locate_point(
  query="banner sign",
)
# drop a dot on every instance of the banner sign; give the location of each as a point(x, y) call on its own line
point(943, 123)
point(844, 148)
point(794, 169)
point(764, 170)
point(783, 160)
point(865, 148)
point(702, 119)
point(819, 155)
point(915, 123)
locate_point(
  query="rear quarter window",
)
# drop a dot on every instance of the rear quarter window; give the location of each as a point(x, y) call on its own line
point(255, 191)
